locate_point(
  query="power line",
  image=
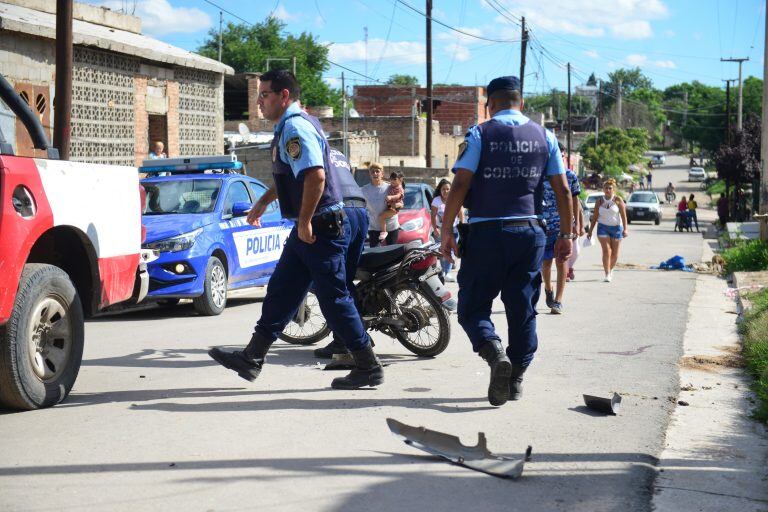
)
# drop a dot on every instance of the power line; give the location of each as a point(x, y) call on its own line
point(230, 12)
point(402, 2)
point(386, 40)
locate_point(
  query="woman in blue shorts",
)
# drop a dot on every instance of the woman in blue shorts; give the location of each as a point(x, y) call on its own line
point(610, 217)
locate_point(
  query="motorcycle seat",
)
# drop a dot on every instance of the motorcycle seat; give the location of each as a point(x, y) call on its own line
point(377, 257)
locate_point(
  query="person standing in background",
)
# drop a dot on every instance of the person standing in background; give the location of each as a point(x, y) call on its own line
point(692, 205)
point(376, 201)
point(438, 210)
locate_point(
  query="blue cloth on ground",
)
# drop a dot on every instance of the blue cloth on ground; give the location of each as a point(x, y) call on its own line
point(673, 263)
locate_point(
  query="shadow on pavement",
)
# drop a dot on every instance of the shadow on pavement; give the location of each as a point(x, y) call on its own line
point(152, 311)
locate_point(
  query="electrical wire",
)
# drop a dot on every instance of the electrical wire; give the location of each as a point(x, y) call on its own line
point(386, 40)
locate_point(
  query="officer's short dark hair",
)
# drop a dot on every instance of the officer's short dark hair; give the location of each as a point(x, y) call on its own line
point(280, 79)
point(505, 98)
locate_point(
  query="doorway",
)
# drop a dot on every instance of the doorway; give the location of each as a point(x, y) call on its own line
point(158, 131)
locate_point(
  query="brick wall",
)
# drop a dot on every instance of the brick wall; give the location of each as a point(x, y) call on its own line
point(172, 90)
point(253, 96)
point(141, 120)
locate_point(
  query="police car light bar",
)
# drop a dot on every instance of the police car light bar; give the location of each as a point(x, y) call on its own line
point(191, 163)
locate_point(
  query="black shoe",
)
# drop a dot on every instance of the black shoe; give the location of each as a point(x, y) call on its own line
point(237, 361)
point(501, 369)
point(328, 351)
point(557, 308)
point(516, 382)
point(367, 373)
point(549, 298)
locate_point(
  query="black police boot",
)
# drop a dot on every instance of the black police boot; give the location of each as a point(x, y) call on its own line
point(516, 382)
point(368, 371)
point(247, 363)
point(328, 351)
point(501, 369)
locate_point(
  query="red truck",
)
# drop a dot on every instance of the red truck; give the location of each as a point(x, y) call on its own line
point(70, 246)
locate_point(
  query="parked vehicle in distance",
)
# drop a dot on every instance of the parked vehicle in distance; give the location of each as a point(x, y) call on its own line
point(658, 160)
point(697, 174)
point(590, 203)
point(415, 217)
point(644, 205)
point(586, 213)
point(70, 246)
point(196, 218)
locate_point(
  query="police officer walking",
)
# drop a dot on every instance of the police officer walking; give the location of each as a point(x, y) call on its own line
point(355, 208)
point(315, 251)
point(500, 175)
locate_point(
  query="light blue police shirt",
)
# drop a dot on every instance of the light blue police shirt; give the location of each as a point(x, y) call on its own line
point(312, 145)
point(470, 159)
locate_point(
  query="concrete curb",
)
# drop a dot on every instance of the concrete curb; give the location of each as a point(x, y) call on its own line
point(715, 457)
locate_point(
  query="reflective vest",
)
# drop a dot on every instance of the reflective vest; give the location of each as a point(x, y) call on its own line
point(342, 171)
point(509, 180)
point(290, 188)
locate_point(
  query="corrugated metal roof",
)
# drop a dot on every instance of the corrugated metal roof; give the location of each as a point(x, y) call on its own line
point(15, 18)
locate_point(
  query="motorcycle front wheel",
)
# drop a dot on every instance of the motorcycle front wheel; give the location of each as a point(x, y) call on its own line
point(308, 326)
point(427, 330)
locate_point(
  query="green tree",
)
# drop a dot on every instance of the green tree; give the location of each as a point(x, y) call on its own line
point(649, 112)
point(630, 81)
point(247, 47)
point(403, 80)
point(752, 96)
point(616, 149)
point(702, 120)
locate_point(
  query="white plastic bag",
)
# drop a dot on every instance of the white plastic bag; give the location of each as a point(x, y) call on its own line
point(588, 241)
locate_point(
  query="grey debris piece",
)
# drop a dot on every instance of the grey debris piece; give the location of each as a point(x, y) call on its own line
point(604, 405)
point(450, 448)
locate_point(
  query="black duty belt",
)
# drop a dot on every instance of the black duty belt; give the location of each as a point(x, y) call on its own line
point(354, 203)
point(510, 223)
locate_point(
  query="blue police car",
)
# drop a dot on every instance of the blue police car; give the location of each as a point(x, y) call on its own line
point(195, 216)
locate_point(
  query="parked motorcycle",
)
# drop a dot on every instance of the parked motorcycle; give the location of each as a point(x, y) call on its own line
point(399, 293)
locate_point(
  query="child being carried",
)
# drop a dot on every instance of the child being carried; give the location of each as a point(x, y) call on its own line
point(395, 195)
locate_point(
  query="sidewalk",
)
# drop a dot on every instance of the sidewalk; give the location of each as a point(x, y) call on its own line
point(716, 457)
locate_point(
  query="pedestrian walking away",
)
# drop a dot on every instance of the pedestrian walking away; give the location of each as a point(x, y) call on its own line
point(437, 211)
point(357, 213)
point(499, 177)
point(692, 205)
point(376, 199)
point(554, 296)
point(610, 217)
point(315, 250)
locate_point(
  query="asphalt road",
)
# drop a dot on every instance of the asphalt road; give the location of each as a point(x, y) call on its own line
point(153, 424)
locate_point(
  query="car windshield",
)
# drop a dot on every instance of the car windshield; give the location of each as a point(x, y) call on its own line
point(181, 196)
point(642, 197)
point(592, 199)
point(414, 199)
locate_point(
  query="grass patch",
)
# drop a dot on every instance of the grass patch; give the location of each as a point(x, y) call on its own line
point(746, 256)
point(755, 335)
point(717, 188)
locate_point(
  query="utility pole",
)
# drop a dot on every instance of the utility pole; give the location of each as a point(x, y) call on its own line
point(568, 135)
point(764, 145)
point(429, 84)
point(618, 105)
point(523, 47)
point(599, 106)
point(293, 61)
point(365, 32)
point(741, 89)
point(685, 115)
point(62, 112)
point(728, 110)
point(221, 25)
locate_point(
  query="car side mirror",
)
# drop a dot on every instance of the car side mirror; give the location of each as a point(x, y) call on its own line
point(241, 208)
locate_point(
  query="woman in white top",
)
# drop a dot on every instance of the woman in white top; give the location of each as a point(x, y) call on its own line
point(438, 208)
point(610, 217)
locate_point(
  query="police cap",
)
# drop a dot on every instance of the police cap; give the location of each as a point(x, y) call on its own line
point(503, 83)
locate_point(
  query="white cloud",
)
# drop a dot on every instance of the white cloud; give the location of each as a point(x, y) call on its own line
point(159, 17)
point(406, 52)
point(592, 54)
point(458, 52)
point(283, 15)
point(625, 19)
point(642, 61)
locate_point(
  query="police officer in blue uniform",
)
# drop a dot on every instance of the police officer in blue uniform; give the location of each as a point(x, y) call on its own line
point(316, 249)
point(354, 207)
point(499, 178)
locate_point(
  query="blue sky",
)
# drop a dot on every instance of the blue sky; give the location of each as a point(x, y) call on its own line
point(672, 41)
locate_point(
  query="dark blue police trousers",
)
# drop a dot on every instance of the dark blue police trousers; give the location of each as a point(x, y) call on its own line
point(507, 260)
point(355, 241)
point(324, 264)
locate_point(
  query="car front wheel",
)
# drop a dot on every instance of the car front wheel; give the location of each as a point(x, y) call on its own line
point(214, 298)
point(657, 220)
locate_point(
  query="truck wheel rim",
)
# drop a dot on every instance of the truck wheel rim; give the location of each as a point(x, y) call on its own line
point(50, 338)
point(218, 287)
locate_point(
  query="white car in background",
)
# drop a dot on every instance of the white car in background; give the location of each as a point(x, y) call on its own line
point(590, 202)
point(644, 205)
point(696, 174)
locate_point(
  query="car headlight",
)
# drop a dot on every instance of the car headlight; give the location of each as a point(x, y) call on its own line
point(175, 244)
point(413, 224)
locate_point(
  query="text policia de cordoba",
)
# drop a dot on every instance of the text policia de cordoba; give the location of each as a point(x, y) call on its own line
point(517, 150)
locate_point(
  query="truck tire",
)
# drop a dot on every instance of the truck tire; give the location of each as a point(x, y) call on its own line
point(41, 346)
point(214, 298)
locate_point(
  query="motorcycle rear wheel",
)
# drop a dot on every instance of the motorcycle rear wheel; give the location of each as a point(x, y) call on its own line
point(419, 306)
point(315, 327)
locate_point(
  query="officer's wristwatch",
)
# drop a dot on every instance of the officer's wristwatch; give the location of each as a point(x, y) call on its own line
point(566, 236)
